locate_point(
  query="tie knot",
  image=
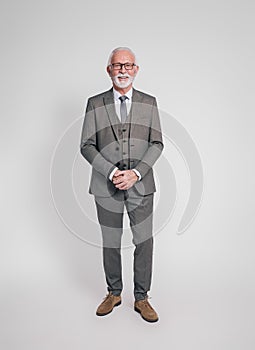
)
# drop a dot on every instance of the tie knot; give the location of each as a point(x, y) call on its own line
point(123, 98)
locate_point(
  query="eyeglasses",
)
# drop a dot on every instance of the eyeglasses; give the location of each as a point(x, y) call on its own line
point(118, 66)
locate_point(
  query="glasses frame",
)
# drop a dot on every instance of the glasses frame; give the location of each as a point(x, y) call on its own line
point(122, 64)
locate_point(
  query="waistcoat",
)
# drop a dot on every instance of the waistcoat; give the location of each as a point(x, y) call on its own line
point(124, 148)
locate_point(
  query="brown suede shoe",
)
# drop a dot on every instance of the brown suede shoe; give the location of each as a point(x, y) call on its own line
point(108, 304)
point(146, 310)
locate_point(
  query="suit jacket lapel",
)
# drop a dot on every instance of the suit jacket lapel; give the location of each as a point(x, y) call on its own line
point(136, 103)
point(136, 109)
point(110, 107)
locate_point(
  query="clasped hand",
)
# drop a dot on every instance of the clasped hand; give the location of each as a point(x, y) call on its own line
point(124, 179)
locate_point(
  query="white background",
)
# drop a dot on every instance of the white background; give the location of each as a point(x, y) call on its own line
point(197, 58)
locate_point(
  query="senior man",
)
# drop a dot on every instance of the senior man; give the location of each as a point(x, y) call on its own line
point(121, 138)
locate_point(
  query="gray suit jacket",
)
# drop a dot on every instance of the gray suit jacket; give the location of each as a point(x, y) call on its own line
point(102, 135)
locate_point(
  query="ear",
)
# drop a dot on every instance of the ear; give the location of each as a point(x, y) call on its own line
point(108, 69)
point(136, 69)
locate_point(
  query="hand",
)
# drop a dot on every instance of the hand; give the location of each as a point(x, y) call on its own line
point(124, 179)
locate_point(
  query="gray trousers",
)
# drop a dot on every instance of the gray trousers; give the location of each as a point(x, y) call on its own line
point(110, 216)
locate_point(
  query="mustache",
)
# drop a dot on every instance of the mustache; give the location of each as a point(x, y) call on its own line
point(123, 75)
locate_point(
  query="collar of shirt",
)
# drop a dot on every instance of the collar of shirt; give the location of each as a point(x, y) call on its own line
point(116, 95)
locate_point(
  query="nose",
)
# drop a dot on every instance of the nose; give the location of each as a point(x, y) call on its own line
point(123, 69)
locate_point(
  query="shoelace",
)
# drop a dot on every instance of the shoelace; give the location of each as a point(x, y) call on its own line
point(108, 296)
point(146, 303)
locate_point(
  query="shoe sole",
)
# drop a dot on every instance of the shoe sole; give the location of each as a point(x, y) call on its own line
point(106, 313)
point(146, 319)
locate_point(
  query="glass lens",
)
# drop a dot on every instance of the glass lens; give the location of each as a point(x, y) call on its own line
point(128, 66)
point(117, 66)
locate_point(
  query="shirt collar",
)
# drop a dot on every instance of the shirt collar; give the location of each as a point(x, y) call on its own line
point(116, 94)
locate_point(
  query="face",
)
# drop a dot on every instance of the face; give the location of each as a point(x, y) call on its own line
point(122, 78)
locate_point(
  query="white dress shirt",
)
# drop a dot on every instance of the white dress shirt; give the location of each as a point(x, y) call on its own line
point(117, 103)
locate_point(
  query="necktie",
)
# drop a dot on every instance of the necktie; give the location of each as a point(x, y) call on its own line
point(123, 108)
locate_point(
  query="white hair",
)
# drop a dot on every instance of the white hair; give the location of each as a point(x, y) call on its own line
point(120, 49)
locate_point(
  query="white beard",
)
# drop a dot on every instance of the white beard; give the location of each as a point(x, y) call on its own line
point(122, 84)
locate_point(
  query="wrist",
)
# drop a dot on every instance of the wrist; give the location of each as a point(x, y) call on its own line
point(137, 174)
point(112, 173)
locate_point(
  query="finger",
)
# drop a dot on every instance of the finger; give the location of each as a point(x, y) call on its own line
point(117, 173)
point(117, 177)
point(117, 181)
point(121, 185)
point(124, 185)
point(122, 172)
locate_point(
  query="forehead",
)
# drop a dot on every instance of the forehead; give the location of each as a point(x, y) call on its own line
point(122, 57)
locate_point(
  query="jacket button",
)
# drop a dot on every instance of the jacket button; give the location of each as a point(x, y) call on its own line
point(117, 148)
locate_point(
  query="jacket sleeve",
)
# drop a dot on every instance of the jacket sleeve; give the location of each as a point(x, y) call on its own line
point(155, 143)
point(88, 145)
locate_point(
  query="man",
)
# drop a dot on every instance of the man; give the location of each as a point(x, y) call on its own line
point(121, 138)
